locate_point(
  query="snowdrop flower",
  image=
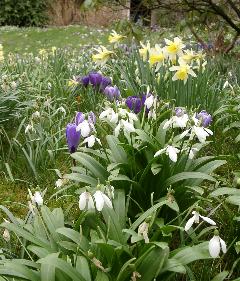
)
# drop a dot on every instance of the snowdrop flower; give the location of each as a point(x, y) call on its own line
point(36, 114)
point(101, 199)
point(177, 122)
point(192, 152)
point(6, 235)
point(59, 183)
point(170, 150)
point(149, 101)
point(195, 219)
point(37, 198)
point(86, 201)
point(201, 133)
point(91, 141)
point(110, 115)
point(84, 128)
point(143, 231)
point(61, 109)
point(29, 127)
point(216, 244)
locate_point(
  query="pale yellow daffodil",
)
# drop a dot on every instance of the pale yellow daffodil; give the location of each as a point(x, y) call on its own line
point(156, 56)
point(174, 47)
point(102, 56)
point(144, 50)
point(182, 72)
point(114, 37)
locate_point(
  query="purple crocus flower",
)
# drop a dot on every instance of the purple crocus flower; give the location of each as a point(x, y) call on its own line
point(79, 118)
point(92, 117)
point(73, 137)
point(112, 93)
point(95, 78)
point(206, 118)
point(105, 82)
point(135, 103)
point(85, 81)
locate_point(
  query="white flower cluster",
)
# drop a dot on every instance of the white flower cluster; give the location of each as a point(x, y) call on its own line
point(216, 243)
point(121, 119)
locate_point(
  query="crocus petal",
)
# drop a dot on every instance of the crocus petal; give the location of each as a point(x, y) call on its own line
point(223, 245)
point(214, 247)
point(189, 223)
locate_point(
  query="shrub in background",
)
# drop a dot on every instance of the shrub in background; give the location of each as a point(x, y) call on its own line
point(23, 13)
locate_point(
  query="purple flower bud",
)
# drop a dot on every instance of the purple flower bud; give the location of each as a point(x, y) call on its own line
point(95, 78)
point(135, 103)
point(179, 111)
point(206, 118)
point(92, 117)
point(112, 93)
point(73, 137)
point(79, 118)
point(105, 82)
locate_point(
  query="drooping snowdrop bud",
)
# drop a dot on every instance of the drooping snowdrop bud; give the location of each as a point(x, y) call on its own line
point(170, 150)
point(37, 198)
point(143, 230)
point(216, 244)
point(86, 201)
point(101, 199)
point(6, 235)
point(195, 219)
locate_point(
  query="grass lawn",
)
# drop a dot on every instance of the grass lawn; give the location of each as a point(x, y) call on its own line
point(25, 40)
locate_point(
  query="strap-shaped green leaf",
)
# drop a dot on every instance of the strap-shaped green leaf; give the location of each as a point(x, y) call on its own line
point(92, 165)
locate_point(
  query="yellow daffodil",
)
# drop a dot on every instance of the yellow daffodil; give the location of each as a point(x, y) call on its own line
point(42, 52)
point(156, 56)
point(72, 83)
point(144, 50)
point(188, 56)
point(174, 47)
point(54, 49)
point(182, 72)
point(102, 56)
point(1, 53)
point(114, 37)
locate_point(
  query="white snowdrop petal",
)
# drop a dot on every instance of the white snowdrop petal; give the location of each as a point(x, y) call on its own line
point(159, 152)
point(82, 201)
point(90, 203)
point(99, 201)
point(214, 247)
point(210, 221)
point(223, 245)
point(107, 201)
point(189, 223)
